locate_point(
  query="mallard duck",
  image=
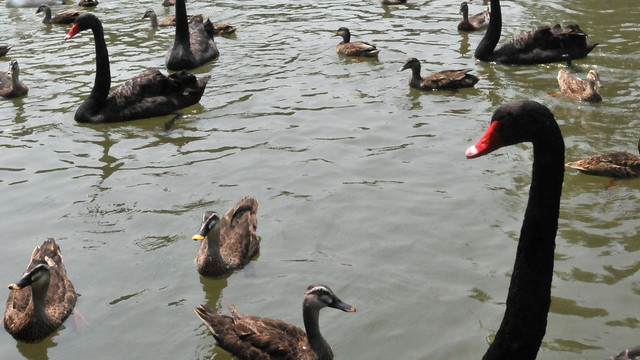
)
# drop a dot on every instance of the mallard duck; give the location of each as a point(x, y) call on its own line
point(538, 46)
point(475, 22)
point(67, 17)
point(392, 2)
point(253, 337)
point(10, 84)
point(88, 3)
point(4, 49)
point(616, 165)
point(33, 314)
point(356, 48)
point(446, 79)
point(580, 89)
point(228, 243)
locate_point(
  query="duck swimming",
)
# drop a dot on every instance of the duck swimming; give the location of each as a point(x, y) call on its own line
point(356, 48)
point(538, 46)
point(67, 17)
point(446, 79)
point(251, 337)
point(616, 165)
point(474, 22)
point(10, 84)
point(586, 90)
point(42, 299)
point(228, 243)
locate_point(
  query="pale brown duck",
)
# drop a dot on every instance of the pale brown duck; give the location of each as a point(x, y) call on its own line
point(585, 90)
point(616, 165)
point(42, 299)
point(356, 48)
point(474, 22)
point(229, 243)
point(251, 337)
point(169, 20)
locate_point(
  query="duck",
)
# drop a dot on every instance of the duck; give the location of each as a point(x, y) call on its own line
point(446, 79)
point(10, 84)
point(392, 2)
point(42, 299)
point(585, 90)
point(356, 48)
point(32, 3)
point(192, 46)
point(169, 20)
point(475, 22)
point(252, 337)
point(615, 165)
point(167, 3)
point(67, 17)
point(88, 3)
point(4, 49)
point(228, 243)
point(538, 46)
point(224, 29)
point(146, 95)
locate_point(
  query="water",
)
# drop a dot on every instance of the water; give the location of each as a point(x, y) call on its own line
point(362, 182)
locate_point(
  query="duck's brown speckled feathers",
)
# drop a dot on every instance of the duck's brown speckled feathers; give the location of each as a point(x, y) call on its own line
point(10, 84)
point(229, 243)
point(446, 79)
point(632, 353)
point(224, 29)
point(4, 49)
point(576, 88)
point(356, 48)
point(474, 22)
point(617, 165)
point(252, 337)
point(34, 312)
point(67, 17)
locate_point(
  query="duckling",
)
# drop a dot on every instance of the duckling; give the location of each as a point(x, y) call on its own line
point(33, 314)
point(4, 49)
point(88, 3)
point(253, 337)
point(356, 48)
point(446, 79)
point(67, 17)
point(580, 89)
point(475, 22)
point(616, 165)
point(228, 243)
point(10, 84)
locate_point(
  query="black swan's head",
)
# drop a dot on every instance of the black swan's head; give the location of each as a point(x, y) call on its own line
point(83, 22)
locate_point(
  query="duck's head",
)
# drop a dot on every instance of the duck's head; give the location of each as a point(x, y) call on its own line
point(148, 14)
point(319, 296)
point(38, 277)
point(464, 8)
point(13, 67)
point(343, 32)
point(594, 77)
point(411, 63)
point(210, 222)
point(42, 8)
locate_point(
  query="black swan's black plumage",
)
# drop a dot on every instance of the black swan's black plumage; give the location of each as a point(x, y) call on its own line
point(146, 95)
point(538, 46)
point(525, 319)
point(192, 46)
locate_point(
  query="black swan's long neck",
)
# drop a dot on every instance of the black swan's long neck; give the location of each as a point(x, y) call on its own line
point(485, 48)
point(312, 327)
point(525, 320)
point(182, 27)
point(102, 82)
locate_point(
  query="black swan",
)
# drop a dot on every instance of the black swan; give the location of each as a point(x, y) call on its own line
point(193, 44)
point(356, 48)
point(473, 22)
point(230, 242)
point(538, 46)
point(67, 17)
point(34, 313)
point(441, 80)
point(146, 95)
point(251, 337)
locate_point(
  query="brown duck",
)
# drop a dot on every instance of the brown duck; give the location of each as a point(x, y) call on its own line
point(586, 90)
point(169, 20)
point(356, 48)
point(446, 79)
point(10, 84)
point(616, 165)
point(67, 17)
point(251, 337)
point(4, 49)
point(34, 313)
point(474, 22)
point(228, 243)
